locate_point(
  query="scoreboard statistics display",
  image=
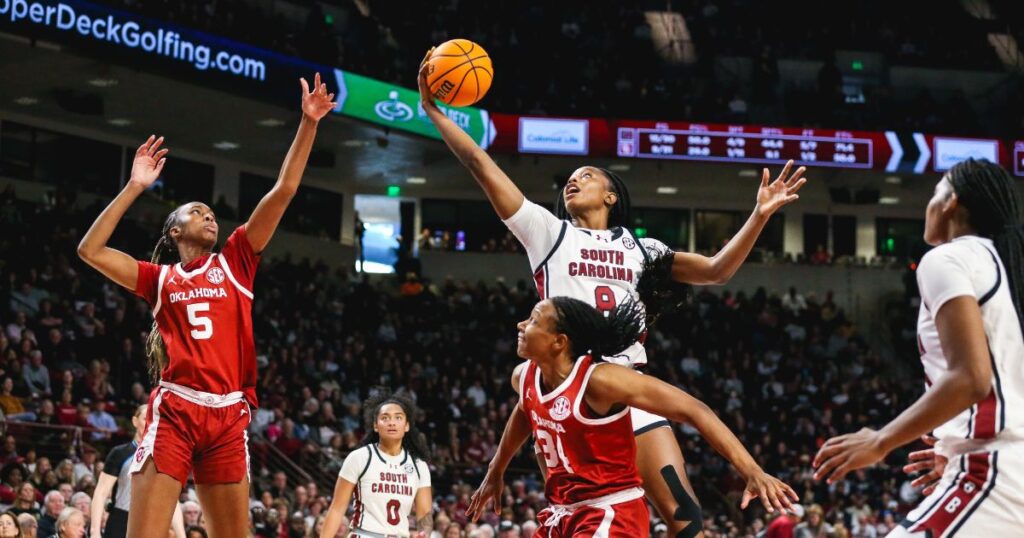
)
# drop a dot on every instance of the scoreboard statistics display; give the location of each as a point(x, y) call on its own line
point(746, 144)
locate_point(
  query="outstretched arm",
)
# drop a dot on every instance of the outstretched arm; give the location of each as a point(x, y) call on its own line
point(692, 268)
point(265, 218)
point(114, 264)
point(517, 431)
point(500, 190)
point(613, 385)
point(969, 380)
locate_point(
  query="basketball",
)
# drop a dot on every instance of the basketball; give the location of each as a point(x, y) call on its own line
point(460, 72)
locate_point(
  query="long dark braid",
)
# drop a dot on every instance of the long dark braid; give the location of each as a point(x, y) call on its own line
point(656, 289)
point(591, 332)
point(989, 194)
point(619, 213)
point(414, 442)
point(156, 352)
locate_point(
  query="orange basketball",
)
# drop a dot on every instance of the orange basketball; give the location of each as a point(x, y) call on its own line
point(460, 72)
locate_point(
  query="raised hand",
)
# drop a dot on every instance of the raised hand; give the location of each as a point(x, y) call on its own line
point(927, 460)
point(772, 196)
point(845, 453)
point(149, 162)
point(316, 103)
point(491, 488)
point(426, 98)
point(774, 493)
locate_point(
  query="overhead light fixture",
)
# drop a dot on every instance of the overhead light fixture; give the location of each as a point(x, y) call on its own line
point(619, 167)
point(270, 122)
point(353, 143)
point(416, 180)
point(103, 82)
point(748, 173)
point(120, 122)
point(26, 101)
point(888, 200)
point(225, 145)
point(894, 180)
point(667, 190)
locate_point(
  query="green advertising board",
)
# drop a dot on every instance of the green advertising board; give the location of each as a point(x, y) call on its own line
point(399, 108)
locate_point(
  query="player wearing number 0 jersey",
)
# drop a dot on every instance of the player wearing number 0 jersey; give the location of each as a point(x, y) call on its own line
point(387, 477)
point(578, 411)
point(972, 346)
point(592, 216)
point(201, 345)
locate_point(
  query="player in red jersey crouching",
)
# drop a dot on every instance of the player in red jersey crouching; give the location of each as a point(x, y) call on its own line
point(201, 344)
point(578, 409)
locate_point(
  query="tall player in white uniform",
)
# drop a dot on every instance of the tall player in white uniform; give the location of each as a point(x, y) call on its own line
point(386, 478)
point(972, 346)
point(592, 256)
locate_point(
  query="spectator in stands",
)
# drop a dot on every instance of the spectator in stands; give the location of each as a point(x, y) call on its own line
point(70, 524)
point(37, 376)
point(67, 412)
point(191, 512)
point(9, 527)
point(794, 302)
point(86, 467)
point(821, 256)
point(814, 526)
point(9, 451)
point(12, 405)
point(29, 526)
point(53, 507)
point(26, 501)
point(100, 419)
point(13, 475)
point(81, 501)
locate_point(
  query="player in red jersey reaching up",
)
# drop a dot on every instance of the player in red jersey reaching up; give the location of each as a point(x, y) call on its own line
point(578, 406)
point(587, 251)
point(202, 341)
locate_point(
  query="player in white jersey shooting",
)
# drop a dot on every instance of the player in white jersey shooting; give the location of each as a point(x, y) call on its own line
point(972, 347)
point(588, 252)
point(387, 477)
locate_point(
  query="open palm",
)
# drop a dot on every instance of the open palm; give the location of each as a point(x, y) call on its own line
point(149, 162)
point(772, 196)
point(316, 103)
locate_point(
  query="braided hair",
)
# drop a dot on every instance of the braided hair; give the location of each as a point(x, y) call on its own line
point(591, 332)
point(156, 352)
point(414, 442)
point(656, 289)
point(618, 215)
point(994, 210)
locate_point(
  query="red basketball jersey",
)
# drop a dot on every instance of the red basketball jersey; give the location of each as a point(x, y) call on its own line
point(204, 313)
point(586, 456)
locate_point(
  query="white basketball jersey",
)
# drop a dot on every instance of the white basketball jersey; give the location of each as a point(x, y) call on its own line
point(970, 266)
point(599, 267)
point(385, 489)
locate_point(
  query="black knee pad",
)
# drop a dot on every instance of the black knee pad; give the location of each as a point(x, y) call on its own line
point(687, 509)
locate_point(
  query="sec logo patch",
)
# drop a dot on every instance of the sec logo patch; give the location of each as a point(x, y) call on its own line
point(560, 409)
point(215, 275)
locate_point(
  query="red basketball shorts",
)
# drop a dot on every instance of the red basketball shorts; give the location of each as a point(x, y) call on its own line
point(605, 517)
point(190, 431)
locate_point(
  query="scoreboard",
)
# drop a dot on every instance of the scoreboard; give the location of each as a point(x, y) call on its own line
point(765, 145)
point(885, 151)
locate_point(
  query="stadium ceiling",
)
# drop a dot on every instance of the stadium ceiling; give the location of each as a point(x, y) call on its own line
point(83, 96)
